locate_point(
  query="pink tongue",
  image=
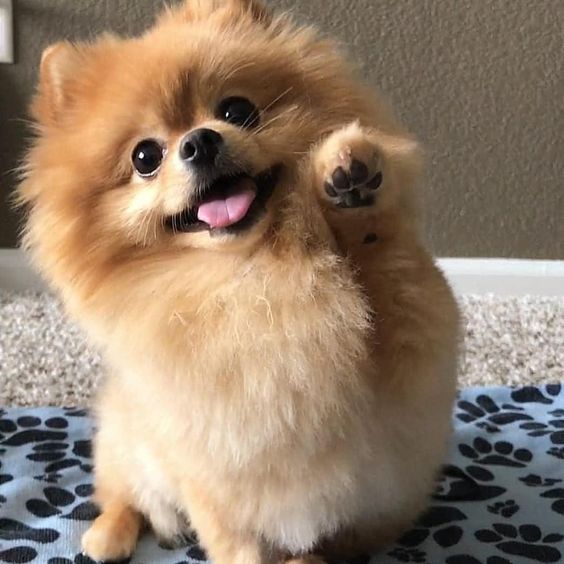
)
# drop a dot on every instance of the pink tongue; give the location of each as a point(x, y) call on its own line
point(227, 211)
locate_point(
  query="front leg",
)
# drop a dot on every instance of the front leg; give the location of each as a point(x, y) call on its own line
point(223, 541)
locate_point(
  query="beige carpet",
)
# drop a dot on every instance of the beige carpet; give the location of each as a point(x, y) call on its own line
point(44, 360)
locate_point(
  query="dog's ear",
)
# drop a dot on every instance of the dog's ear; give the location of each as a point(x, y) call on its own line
point(59, 64)
point(228, 10)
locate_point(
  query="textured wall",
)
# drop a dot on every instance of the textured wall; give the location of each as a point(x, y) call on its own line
point(480, 82)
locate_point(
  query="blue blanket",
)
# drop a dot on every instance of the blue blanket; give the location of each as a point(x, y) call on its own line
point(500, 499)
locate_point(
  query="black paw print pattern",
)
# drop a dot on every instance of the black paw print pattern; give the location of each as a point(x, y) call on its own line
point(18, 555)
point(486, 414)
point(527, 541)
point(471, 483)
point(40, 444)
point(557, 452)
point(504, 508)
point(11, 529)
point(46, 442)
point(27, 430)
point(554, 429)
point(536, 481)
point(59, 501)
point(483, 471)
point(531, 394)
point(4, 478)
point(557, 495)
point(78, 559)
point(501, 453)
point(468, 559)
point(499, 499)
point(442, 523)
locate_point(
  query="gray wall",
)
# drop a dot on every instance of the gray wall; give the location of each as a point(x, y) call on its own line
point(479, 81)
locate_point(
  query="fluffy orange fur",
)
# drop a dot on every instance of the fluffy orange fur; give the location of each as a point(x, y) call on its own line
point(286, 390)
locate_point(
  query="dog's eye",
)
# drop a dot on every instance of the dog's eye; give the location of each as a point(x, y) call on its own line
point(147, 157)
point(239, 111)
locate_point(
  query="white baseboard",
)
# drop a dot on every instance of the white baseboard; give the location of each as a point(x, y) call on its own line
point(16, 274)
point(503, 277)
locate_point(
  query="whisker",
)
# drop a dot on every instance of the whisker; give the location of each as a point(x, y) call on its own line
point(143, 227)
point(263, 126)
point(268, 106)
point(269, 122)
point(277, 99)
point(141, 232)
point(155, 235)
point(148, 225)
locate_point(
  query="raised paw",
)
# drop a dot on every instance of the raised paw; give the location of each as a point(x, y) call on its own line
point(348, 168)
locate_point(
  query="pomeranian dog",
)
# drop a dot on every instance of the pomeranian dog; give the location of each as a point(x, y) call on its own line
point(230, 214)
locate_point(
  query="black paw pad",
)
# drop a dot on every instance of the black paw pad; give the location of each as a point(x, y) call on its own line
point(331, 192)
point(341, 180)
point(359, 172)
point(376, 182)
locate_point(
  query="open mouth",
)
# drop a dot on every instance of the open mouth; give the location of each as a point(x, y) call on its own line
point(231, 203)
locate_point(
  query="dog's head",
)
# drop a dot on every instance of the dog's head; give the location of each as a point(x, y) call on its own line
point(185, 137)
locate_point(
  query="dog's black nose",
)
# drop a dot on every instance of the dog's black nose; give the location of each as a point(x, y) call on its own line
point(201, 147)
